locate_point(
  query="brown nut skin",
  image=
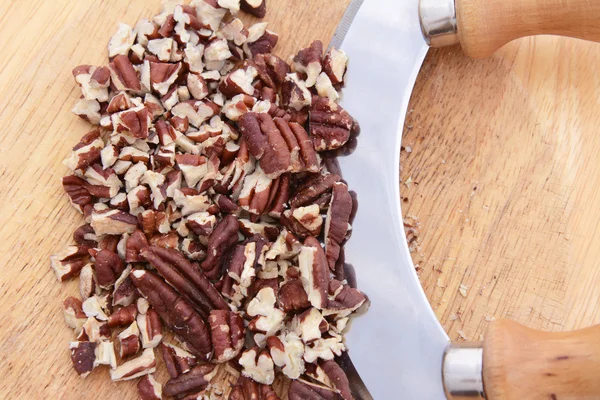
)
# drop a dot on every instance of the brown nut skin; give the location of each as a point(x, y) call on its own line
point(271, 71)
point(195, 380)
point(338, 217)
point(338, 378)
point(122, 69)
point(123, 316)
point(128, 346)
point(258, 8)
point(83, 357)
point(304, 390)
point(177, 360)
point(330, 124)
point(293, 297)
point(247, 389)
point(176, 313)
point(186, 278)
point(228, 334)
point(312, 189)
point(264, 44)
point(149, 389)
point(108, 268)
point(135, 244)
point(82, 236)
point(220, 241)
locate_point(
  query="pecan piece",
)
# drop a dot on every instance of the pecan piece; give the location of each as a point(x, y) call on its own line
point(303, 221)
point(86, 152)
point(125, 292)
point(105, 354)
point(122, 41)
point(113, 222)
point(163, 76)
point(69, 262)
point(150, 328)
point(314, 272)
point(335, 64)
point(287, 351)
point(176, 312)
point(73, 313)
point(177, 360)
point(108, 268)
point(260, 40)
point(337, 222)
point(149, 389)
point(128, 341)
point(87, 281)
point(258, 8)
point(304, 390)
point(85, 236)
point(83, 355)
point(247, 389)
point(123, 75)
point(123, 316)
point(308, 62)
point(220, 241)
point(140, 366)
point(186, 278)
point(268, 319)
point(330, 124)
point(294, 93)
point(293, 297)
point(344, 300)
point(228, 334)
point(239, 81)
point(193, 381)
point(258, 366)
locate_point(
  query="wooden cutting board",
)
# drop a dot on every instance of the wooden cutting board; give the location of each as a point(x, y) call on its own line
point(503, 172)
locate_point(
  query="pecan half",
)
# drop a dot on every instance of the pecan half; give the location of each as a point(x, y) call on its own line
point(149, 389)
point(337, 222)
point(314, 272)
point(83, 355)
point(69, 262)
point(176, 312)
point(312, 189)
point(186, 278)
point(338, 378)
point(258, 8)
point(228, 334)
point(247, 389)
point(140, 366)
point(330, 124)
point(220, 241)
point(193, 381)
point(177, 360)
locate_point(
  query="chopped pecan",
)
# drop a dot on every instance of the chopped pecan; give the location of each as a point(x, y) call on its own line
point(235, 32)
point(314, 272)
point(142, 365)
point(87, 281)
point(239, 81)
point(108, 268)
point(105, 354)
point(150, 328)
point(88, 110)
point(197, 86)
point(311, 325)
point(294, 93)
point(334, 65)
point(85, 236)
point(97, 307)
point(248, 229)
point(209, 13)
point(186, 278)
point(325, 87)
point(93, 82)
point(293, 297)
point(176, 312)
point(135, 244)
point(287, 351)
point(136, 121)
point(344, 301)
point(194, 380)
point(149, 389)
point(256, 192)
point(94, 331)
point(177, 360)
point(325, 348)
point(258, 8)
point(196, 111)
point(226, 205)
point(308, 62)
point(247, 389)
point(201, 223)
point(123, 316)
point(220, 241)
point(304, 390)
point(125, 292)
point(113, 222)
point(258, 365)
point(260, 40)
point(123, 75)
point(303, 221)
point(268, 319)
point(122, 41)
point(337, 222)
point(128, 341)
point(312, 189)
point(86, 152)
point(69, 262)
point(161, 48)
point(285, 247)
point(83, 355)
point(330, 124)
point(228, 334)
point(73, 313)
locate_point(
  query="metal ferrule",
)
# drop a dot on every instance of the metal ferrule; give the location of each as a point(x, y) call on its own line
point(462, 370)
point(438, 22)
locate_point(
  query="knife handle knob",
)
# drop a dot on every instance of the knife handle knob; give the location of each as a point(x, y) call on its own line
point(522, 363)
point(483, 26)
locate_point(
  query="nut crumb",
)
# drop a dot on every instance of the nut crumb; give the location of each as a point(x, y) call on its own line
point(462, 289)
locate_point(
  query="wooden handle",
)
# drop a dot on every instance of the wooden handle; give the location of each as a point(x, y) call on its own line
point(521, 363)
point(486, 25)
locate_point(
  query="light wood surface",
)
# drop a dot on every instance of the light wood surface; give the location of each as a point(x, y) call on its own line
point(486, 25)
point(521, 363)
point(519, 127)
point(41, 42)
point(504, 177)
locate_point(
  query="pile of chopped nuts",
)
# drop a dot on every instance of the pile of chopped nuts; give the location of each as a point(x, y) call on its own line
point(214, 208)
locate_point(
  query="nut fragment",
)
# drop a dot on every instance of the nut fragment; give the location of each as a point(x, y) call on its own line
point(308, 61)
point(258, 366)
point(150, 329)
point(258, 8)
point(177, 360)
point(287, 351)
point(222, 238)
point(228, 334)
point(69, 262)
point(305, 390)
point(337, 222)
point(247, 389)
point(335, 64)
point(73, 313)
point(108, 268)
point(149, 388)
point(128, 341)
point(267, 318)
point(123, 316)
point(140, 366)
point(83, 355)
point(314, 272)
point(194, 380)
point(105, 354)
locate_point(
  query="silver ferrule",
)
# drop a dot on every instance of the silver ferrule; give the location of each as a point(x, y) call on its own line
point(438, 22)
point(462, 370)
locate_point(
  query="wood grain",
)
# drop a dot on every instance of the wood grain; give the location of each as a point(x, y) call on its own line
point(504, 178)
point(41, 42)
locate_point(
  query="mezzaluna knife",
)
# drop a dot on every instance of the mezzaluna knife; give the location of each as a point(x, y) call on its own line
point(399, 348)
